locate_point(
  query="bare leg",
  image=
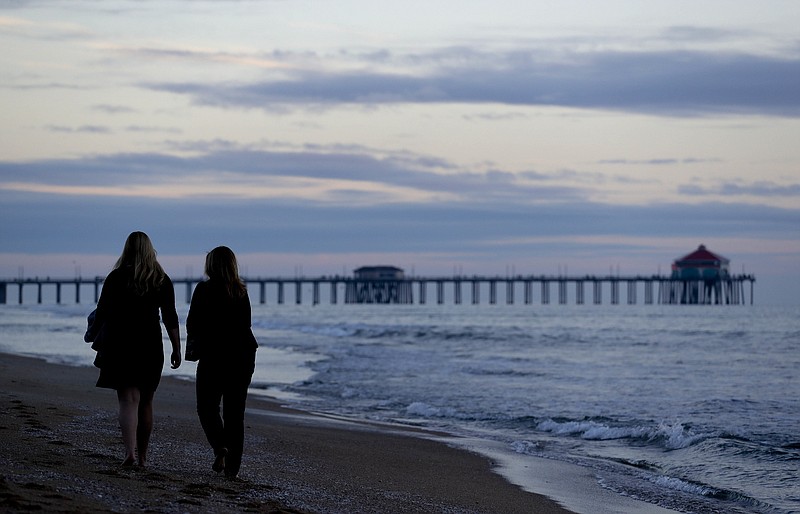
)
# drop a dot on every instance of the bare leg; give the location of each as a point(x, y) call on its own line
point(145, 427)
point(128, 398)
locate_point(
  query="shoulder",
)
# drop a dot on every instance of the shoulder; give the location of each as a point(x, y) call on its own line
point(201, 290)
point(117, 274)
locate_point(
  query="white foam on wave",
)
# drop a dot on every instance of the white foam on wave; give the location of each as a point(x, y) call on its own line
point(526, 447)
point(676, 436)
point(677, 484)
point(428, 411)
point(672, 436)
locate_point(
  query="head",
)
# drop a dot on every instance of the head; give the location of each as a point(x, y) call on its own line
point(221, 266)
point(138, 249)
point(139, 253)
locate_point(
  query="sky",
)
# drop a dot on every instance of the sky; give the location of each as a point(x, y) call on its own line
point(470, 137)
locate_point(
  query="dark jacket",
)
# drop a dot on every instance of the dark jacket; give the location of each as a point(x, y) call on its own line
point(129, 336)
point(218, 326)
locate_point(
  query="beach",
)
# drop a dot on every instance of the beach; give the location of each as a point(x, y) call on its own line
point(61, 449)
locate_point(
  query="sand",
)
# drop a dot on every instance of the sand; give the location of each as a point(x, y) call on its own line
point(60, 450)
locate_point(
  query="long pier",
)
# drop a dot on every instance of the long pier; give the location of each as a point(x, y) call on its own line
point(654, 289)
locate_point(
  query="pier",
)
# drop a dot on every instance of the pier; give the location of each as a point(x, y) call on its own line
point(530, 289)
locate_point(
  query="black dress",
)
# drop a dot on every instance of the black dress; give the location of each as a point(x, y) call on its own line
point(131, 346)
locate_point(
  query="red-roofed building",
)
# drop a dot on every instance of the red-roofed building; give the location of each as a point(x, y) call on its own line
point(701, 264)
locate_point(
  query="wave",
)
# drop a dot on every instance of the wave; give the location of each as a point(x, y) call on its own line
point(671, 436)
point(425, 410)
point(499, 372)
point(676, 484)
point(428, 411)
point(387, 331)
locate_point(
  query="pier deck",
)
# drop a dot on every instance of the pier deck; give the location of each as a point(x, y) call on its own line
point(544, 289)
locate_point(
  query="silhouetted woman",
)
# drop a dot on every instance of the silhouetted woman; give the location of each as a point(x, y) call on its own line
point(131, 347)
point(218, 326)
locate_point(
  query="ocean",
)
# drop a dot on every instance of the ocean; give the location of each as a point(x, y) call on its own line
point(691, 408)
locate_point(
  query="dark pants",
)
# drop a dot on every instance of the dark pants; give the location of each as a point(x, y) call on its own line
point(224, 380)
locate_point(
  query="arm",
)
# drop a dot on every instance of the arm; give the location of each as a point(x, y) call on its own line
point(169, 315)
point(175, 339)
point(105, 302)
point(197, 312)
point(248, 317)
point(248, 310)
point(194, 323)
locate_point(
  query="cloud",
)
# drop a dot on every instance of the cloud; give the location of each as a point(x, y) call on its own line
point(87, 129)
point(763, 189)
point(113, 109)
point(151, 129)
point(46, 31)
point(488, 116)
point(671, 83)
point(341, 198)
point(47, 85)
point(692, 33)
point(39, 222)
point(659, 161)
point(267, 61)
point(313, 174)
point(356, 203)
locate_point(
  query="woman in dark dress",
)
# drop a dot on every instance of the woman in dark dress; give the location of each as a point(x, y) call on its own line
point(131, 351)
point(219, 337)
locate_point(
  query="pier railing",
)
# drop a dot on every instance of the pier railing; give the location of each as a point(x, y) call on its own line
point(544, 289)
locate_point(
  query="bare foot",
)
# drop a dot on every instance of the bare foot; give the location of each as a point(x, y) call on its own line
point(128, 462)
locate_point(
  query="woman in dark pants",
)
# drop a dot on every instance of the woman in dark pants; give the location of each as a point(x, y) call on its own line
point(219, 337)
point(129, 339)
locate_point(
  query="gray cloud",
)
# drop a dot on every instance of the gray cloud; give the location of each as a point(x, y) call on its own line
point(90, 129)
point(45, 223)
point(508, 116)
point(659, 161)
point(113, 109)
point(46, 85)
point(693, 34)
point(157, 130)
point(493, 206)
point(674, 83)
point(397, 169)
point(762, 189)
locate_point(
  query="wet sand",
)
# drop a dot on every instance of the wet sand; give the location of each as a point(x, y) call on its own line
point(60, 450)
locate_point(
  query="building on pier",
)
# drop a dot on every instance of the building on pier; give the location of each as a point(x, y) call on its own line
point(701, 264)
point(378, 284)
point(701, 276)
point(379, 273)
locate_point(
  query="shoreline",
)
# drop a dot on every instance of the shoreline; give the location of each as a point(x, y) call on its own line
point(61, 450)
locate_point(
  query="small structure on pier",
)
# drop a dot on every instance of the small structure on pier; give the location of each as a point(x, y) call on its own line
point(701, 264)
point(378, 273)
point(378, 284)
point(700, 277)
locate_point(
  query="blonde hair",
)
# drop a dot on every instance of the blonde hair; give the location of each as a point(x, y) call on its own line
point(148, 275)
point(221, 265)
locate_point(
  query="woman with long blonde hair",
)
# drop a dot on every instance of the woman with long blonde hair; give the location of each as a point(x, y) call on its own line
point(220, 338)
point(129, 342)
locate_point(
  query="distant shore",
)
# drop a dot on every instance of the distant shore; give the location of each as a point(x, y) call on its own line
point(61, 449)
